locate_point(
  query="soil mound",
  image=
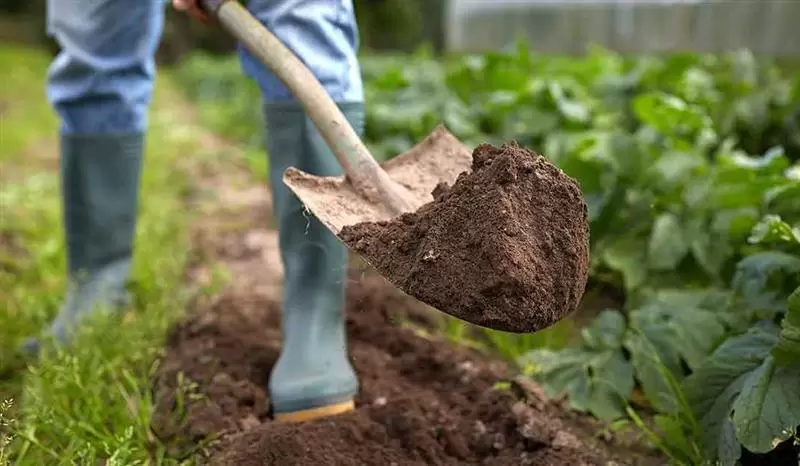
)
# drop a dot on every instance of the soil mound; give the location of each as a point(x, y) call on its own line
point(422, 402)
point(505, 247)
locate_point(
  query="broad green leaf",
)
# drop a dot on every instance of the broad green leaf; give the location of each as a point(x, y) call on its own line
point(729, 450)
point(651, 372)
point(688, 333)
point(709, 246)
point(773, 229)
point(677, 167)
point(767, 411)
point(596, 145)
point(596, 381)
point(709, 252)
point(697, 85)
point(605, 331)
point(762, 278)
point(564, 365)
point(737, 194)
point(668, 113)
point(668, 245)
point(525, 121)
point(695, 195)
point(612, 373)
point(706, 138)
point(697, 333)
point(605, 403)
point(569, 108)
point(787, 351)
point(627, 256)
point(784, 198)
point(673, 326)
point(458, 119)
point(676, 435)
point(632, 161)
point(712, 389)
point(774, 161)
point(793, 173)
point(596, 174)
point(711, 299)
point(736, 224)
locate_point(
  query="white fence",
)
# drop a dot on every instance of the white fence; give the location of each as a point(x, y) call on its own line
point(768, 27)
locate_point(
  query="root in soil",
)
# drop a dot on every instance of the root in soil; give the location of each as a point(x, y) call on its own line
point(506, 247)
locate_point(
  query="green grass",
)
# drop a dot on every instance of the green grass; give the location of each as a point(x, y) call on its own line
point(5, 428)
point(26, 115)
point(93, 402)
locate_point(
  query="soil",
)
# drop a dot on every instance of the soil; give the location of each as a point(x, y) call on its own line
point(505, 247)
point(421, 400)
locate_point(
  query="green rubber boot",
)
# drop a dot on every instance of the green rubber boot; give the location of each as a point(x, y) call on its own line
point(313, 376)
point(100, 184)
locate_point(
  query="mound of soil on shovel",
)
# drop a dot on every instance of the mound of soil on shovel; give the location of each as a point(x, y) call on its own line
point(505, 247)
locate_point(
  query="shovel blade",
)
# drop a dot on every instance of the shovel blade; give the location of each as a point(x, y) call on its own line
point(439, 158)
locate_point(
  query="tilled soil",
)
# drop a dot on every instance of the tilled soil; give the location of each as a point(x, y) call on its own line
point(422, 401)
point(505, 247)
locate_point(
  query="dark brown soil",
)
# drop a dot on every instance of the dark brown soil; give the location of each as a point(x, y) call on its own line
point(421, 401)
point(506, 247)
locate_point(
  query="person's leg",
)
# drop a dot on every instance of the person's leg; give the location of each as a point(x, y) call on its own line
point(313, 376)
point(100, 86)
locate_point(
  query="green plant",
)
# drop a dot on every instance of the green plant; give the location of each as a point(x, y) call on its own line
point(6, 426)
point(721, 367)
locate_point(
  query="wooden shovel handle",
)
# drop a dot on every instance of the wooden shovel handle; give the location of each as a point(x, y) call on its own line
point(361, 169)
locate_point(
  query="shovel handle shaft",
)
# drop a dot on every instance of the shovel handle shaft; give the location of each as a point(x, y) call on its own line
point(361, 169)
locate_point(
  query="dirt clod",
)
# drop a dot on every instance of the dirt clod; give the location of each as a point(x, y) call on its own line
point(505, 247)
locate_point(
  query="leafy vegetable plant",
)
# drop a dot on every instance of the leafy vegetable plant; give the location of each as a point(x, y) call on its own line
point(735, 351)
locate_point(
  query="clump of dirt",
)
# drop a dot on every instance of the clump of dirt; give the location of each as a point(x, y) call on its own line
point(505, 247)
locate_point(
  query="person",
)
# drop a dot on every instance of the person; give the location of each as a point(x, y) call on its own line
point(100, 85)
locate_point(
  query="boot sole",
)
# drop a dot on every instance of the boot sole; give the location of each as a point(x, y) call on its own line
point(316, 413)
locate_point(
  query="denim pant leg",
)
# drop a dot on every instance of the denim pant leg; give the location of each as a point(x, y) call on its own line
point(322, 33)
point(102, 80)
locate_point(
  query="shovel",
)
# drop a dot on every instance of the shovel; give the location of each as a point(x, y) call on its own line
point(369, 192)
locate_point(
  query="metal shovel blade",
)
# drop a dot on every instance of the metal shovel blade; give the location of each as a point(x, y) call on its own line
point(439, 158)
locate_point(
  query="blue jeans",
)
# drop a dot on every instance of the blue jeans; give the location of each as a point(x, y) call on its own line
point(102, 80)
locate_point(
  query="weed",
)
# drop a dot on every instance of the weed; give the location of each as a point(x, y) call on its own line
point(6, 426)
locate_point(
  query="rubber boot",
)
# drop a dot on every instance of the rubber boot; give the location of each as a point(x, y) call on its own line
point(100, 183)
point(313, 376)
